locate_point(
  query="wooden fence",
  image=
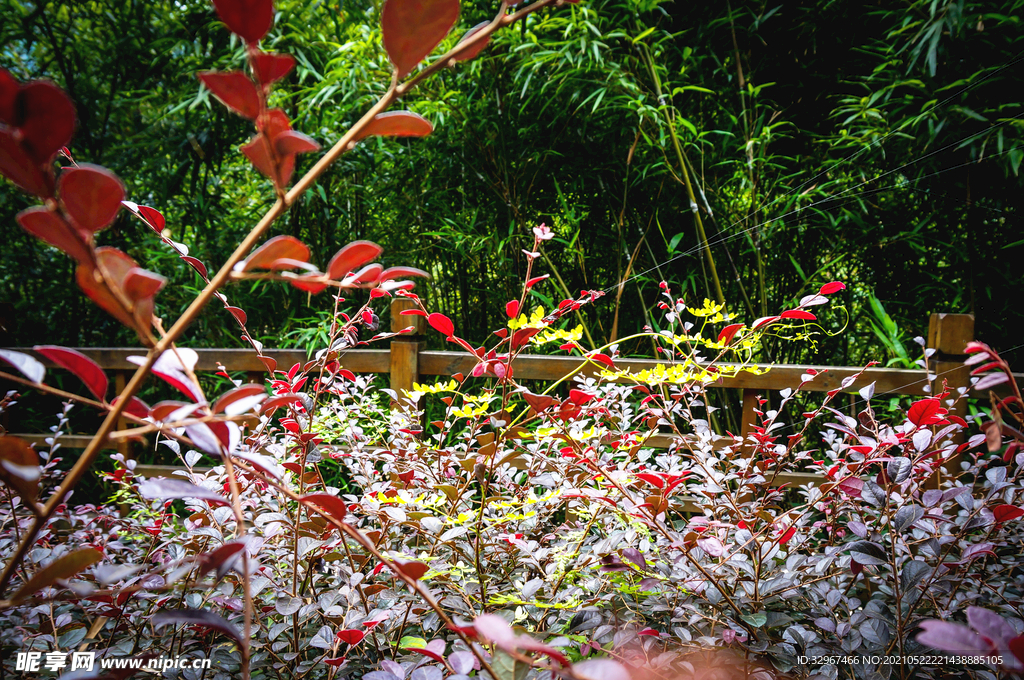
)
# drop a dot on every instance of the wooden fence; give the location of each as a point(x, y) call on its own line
point(407, 361)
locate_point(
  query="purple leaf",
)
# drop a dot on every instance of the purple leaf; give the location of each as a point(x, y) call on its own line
point(195, 617)
point(991, 380)
point(427, 673)
point(204, 439)
point(171, 366)
point(635, 557)
point(600, 669)
point(462, 662)
point(261, 462)
point(222, 559)
point(712, 546)
point(495, 629)
point(951, 637)
point(977, 550)
point(991, 625)
point(162, 488)
point(30, 367)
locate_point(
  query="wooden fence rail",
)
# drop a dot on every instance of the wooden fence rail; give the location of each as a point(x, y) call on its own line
point(407, 361)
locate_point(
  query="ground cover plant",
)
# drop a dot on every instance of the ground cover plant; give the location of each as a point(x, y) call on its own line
point(528, 532)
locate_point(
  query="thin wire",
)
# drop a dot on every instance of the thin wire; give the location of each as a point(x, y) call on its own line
point(899, 389)
point(1019, 56)
point(726, 238)
point(880, 141)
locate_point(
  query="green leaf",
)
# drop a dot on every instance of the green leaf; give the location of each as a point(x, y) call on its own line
point(757, 619)
point(508, 668)
point(411, 641)
point(644, 34)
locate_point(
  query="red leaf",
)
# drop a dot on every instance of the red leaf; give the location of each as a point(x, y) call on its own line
point(367, 275)
point(412, 312)
point(396, 124)
point(534, 281)
point(353, 255)
point(221, 559)
point(240, 392)
point(398, 272)
point(290, 142)
point(351, 637)
point(173, 367)
point(197, 265)
point(1005, 513)
point(538, 402)
point(310, 283)
point(852, 486)
point(17, 166)
point(412, 569)
point(833, 287)
point(84, 368)
point(271, 67)
point(239, 314)
point(8, 97)
point(1016, 645)
point(441, 324)
point(91, 196)
point(413, 28)
point(332, 505)
point(235, 90)
point(140, 284)
point(579, 397)
point(279, 400)
point(153, 217)
point(112, 261)
point(654, 480)
point(729, 332)
point(426, 651)
point(926, 412)
point(258, 153)
point(162, 410)
point(764, 321)
point(250, 19)
point(136, 407)
point(46, 119)
point(470, 51)
point(784, 539)
point(522, 336)
point(49, 227)
point(603, 358)
point(529, 644)
point(277, 248)
point(274, 123)
point(512, 308)
point(798, 314)
point(16, 452)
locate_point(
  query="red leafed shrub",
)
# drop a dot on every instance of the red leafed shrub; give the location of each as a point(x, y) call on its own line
point(601, 528)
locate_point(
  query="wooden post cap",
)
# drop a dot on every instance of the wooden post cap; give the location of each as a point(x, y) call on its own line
point(400, 321)
point(950, 333)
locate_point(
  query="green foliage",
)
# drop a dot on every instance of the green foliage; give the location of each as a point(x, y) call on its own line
point(875, 145)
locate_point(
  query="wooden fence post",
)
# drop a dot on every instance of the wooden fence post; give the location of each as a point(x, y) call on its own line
point(948, 334)
point(405, 349)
